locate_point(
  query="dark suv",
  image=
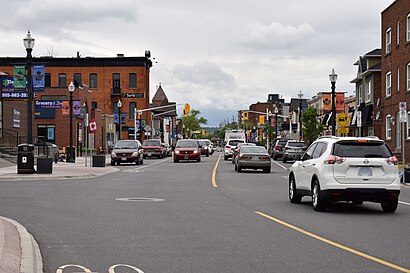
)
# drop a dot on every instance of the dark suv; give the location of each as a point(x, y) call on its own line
point(278, 148)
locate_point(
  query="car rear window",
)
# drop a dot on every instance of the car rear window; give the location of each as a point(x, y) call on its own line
point(152, 143)
point(370, 149)
point(282, 143)
point(187, 144)
point(235, 142)
point(253, 149)
point(126, 145)
point(297, 144)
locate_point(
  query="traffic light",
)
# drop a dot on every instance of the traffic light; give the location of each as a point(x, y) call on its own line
point(187, 109)
point(261, 119)
point(245, 115)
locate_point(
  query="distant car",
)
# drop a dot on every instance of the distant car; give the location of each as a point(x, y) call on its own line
point(210, 146)
point(253, 157)
point(353, 169)
point(204, 147)
point(167, 148)
point(231, 144)
point(127, 151)
point(278, 148)
point(187, 149)
point(293, 150)
point(237, 148)
point(45, 148)
point(153, 148)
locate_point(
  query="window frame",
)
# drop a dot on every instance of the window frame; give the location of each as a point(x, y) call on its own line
point(76, 77)
point(47, 80)
point(398, 33)
point(408, 28)
point(360, 94)
point(408, 126)
point(388, 40)
point(388, 84)
point(368, 87)
point(388, 133)
point(408, 76)
point(134, 85)
point(94, 85)
point(60, 82)
point(398, 79)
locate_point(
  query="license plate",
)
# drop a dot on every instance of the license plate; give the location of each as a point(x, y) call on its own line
point(186, 156)
point(123, 158)
point(255, 158)
point(149, 154)
point(365, 171)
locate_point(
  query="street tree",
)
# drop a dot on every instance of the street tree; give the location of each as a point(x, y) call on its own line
point(312, 128)
point(193, 122)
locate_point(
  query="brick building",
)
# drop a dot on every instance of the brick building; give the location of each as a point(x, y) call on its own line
point(100, 83)
point(395, 82)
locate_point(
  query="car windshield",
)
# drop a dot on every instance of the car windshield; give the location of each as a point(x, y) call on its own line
point(296, 144)
point(253, 150)
point(152, 143)
point(187, 144)
point(361, 149)
point(235, 142)
point(202, 142)
point(126, 145)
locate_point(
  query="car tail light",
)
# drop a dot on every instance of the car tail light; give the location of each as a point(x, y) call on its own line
point(227, 147)
point(244, 157)
point(392, 160)
point(333, 159)
point(277, 147)
point(287, 148)
point(265, 158)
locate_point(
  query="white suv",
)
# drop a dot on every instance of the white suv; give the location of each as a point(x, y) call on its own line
point(346, 169)
point(230, 146)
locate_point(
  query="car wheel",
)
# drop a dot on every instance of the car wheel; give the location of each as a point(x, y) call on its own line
point(118, 163)
point(176, 160)
point(319, 202)
point(390, 205)
point(275, 157)
point(238, 169)
point(225, 157)
point(112, 163)
point(142, 160)
point(267, 170)
point(199, 159)
point(284, 160)
point(294, 197)
point(137, 161)
point(207, 155)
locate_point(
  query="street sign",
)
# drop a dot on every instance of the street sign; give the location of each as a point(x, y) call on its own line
point(359, 119)
point(147, 128)
point(343, 130)
point(342, 119)
point(403, 111)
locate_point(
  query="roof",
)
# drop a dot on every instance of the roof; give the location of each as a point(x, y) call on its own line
point(160, 97)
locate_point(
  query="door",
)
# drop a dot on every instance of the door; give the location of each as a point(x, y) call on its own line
point(301, 175)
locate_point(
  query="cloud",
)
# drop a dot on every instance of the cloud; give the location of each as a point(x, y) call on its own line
point(276, 36)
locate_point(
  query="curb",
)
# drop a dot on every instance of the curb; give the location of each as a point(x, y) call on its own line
point(31, 260)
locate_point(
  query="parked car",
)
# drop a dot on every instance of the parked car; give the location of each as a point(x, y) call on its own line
point(346, 169)
point(153, 148)
point(293, 149)
point(278, 148)
point(127, 151)
point(204, 147)
point(237, 148)
point(167, 148)
point(231, 144)
point(187, 149)
point(253, 157)
point(48, 149)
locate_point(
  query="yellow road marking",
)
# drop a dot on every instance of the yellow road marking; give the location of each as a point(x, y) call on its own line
point(214, 173)
point(364, 255)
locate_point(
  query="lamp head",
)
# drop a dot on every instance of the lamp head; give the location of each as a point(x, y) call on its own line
point(71, 87)
point(28, 41)
point(119, 104)
point(333, 76)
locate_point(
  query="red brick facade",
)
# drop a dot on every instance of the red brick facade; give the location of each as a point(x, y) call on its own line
point(395, 62)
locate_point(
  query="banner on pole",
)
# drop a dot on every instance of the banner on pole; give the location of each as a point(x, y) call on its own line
point(19, 72)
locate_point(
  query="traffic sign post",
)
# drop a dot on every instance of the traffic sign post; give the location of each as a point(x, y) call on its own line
point(343, 119)
point(403, 120)
point(359, 122)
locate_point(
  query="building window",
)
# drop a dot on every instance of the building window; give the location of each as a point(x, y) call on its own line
point(398, 79)
point(62, 80)
point(408, 125)
point(388, 84)
point(77, 79)
point(408, 77)
point(359, 94)
point(368, 91)
point(93, 80)
point(398, 33)
point(93, 105)
point(398, 131)
point(388, 127)
point(132, 80)
point(47, 80)
point(116, 85)
point(132, 107)
point(408, 27)
point(388, 40)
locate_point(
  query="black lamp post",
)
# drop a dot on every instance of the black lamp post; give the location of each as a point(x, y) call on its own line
point(29, 44)
point(333, 78)
point(300, 95)
point(276, 110)
point(71, 156)
point(119, 104)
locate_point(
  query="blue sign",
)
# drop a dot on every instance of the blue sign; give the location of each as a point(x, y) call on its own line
point(116, 118)
point(7, 84)
point(14, 95)
point(49, 104)
point(38, 77)
point(123, 118)
point(44, 113)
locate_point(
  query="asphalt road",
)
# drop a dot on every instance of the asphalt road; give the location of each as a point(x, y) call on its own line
point(243, 222)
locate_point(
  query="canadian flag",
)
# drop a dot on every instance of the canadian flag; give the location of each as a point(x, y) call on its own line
point(93, 126)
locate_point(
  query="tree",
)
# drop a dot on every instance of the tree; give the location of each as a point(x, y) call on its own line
point(312, 128)
point(193, 123)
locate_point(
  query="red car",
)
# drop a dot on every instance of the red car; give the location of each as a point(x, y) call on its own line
point(187, 149)
point(153, 147)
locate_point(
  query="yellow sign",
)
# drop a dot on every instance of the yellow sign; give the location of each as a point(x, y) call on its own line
point(343, 119)
point(261, 119)
point(343, 130)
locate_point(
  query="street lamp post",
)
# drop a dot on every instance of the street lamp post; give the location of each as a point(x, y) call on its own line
point(276, 110)
point(70, 157)
point(333, 78)
point(119, 104)
point(300, 114)
point(29, 44)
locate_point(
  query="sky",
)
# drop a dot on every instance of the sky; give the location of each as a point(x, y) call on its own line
point(218, 55)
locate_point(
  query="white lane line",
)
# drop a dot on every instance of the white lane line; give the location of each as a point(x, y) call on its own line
point(404, 203)
point(85, 269)
point(279, 165)
point(146, 166)
point(112, 268)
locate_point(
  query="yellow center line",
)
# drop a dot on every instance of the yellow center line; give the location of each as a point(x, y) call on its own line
point(214, 173)
point(364, 255)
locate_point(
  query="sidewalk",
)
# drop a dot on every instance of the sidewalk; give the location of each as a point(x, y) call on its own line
point(19, 252)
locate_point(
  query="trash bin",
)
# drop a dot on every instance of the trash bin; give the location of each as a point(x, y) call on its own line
point(25, 158)
point(44, 165)
point(98, 160)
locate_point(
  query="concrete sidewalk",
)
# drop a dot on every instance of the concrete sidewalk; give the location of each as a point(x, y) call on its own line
point(19, 252)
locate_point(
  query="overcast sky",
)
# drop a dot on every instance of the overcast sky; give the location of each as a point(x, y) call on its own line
point(218, 55)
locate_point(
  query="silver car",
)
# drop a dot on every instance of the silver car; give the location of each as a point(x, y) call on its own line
point(253, 157)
